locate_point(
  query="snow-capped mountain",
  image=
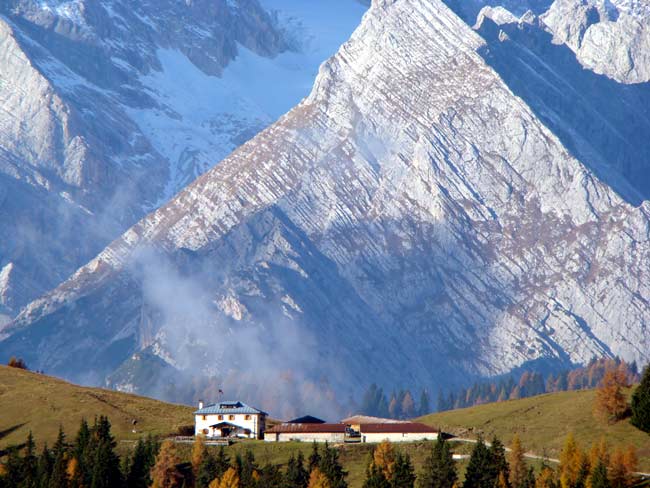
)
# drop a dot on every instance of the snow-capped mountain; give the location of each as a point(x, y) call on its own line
point(419, 219)
point(111, 107)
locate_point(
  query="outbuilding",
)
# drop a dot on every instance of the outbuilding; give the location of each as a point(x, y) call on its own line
point(397, 432)
point(308, 432)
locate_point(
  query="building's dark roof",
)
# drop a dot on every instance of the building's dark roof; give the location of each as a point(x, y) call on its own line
point(401, 428)
point(288, 428)
point(228, 408)
point(307, 419)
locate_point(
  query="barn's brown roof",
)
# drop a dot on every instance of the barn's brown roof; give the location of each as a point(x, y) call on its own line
point(307, 429)
point(401, 428)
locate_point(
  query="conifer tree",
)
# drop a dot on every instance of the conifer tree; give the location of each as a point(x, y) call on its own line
point(375, 478)
point(198, 453)
point(314, 457)
point(296, 475)
point(439, 470)
point(641, 403)
point(45, 465)
point(164, 473)
point(425, 406)
point(518, 471)
point(404, 474)
point(59, 477)
point(498, 462)
point(598, 477)
point(383, 458)
point(318, 479)
point(105, 465)
point(138, 472)
point(331, 467)
point(230, 479)
point(270, 477)
point(480, 470)
point(29, 464)
point(247, 469)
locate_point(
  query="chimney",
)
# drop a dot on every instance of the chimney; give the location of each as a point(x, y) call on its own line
point(200, 404)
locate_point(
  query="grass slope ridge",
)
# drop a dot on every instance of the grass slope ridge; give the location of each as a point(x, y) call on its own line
point(543, 423)
point(40, 403)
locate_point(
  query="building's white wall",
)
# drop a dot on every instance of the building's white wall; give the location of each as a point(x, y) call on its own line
point(397, 437)
point(255, 423)
point(305, 437)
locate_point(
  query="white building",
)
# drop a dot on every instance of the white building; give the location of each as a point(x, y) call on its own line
point(396, 432)
point(308, 432)
point(229, 419)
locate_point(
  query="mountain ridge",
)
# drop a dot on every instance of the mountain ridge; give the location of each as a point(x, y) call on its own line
point(411, 211)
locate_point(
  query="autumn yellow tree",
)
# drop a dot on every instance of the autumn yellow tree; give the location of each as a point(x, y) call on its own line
point(164, 473)
point(622, 464)
point(230, 479)
point(384, 459)
point(611, 404)
point(573, 464)
point(518, 470)
point(318, 480)
point(599, 452)
point(546, 478)
point(198, 453)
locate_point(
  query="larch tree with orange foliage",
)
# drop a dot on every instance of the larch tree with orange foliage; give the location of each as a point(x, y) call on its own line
point(165, 473)
point(317, 479)
point(574, 465)
point(230, 479)
point(623, 463)
point(518, 468)
point(611, 404)
point(384, 459)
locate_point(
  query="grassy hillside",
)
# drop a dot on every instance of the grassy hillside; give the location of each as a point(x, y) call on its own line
point(542, 423)
point(30, 401)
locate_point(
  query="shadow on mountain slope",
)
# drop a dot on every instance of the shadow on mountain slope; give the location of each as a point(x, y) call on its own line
point(605, 124)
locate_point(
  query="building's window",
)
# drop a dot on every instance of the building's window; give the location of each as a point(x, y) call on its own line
point(220, 417)
point(204, 417)
point(231, 417)
point(248, 417)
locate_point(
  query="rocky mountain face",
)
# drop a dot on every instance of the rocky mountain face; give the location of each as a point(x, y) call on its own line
point(608, 37)
point(428, 214)
point(111, 107)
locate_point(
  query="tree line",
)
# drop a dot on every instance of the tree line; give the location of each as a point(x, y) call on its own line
point(532, 383)
point(89, 461)
point(400, 405)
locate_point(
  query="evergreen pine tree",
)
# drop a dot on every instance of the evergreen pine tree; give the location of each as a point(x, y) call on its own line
point(598, 477)
point(480, 470)
point(270, 477)
point(44, 469)
point(137, 475)
point(498, 462)
point(314, 457)
point(439, 470)
point(100, 457)
point(425, 406)
point(331, 467)
point(375, 478)
point(11, 470)
point(403, 474)
point(208, 471)
point(59, 477)
point(641, 403)
point(29, 464)
point(296, 475)
point(247, 470)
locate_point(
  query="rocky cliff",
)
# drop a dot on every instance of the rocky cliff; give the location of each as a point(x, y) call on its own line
point(412, 222)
